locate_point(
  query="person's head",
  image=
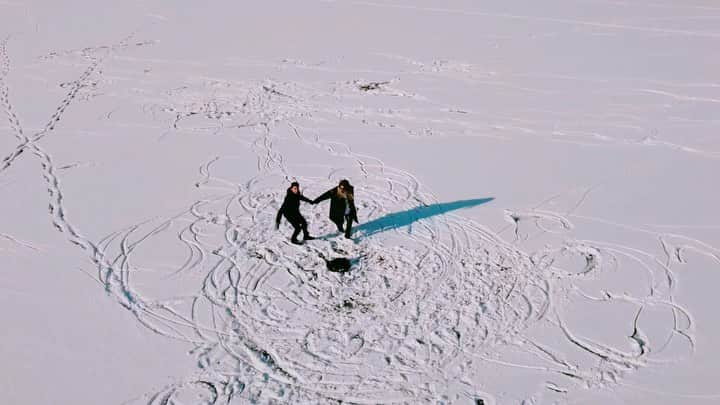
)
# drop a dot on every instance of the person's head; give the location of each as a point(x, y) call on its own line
point(295, 187)
point(344, 185)
point(344, 189)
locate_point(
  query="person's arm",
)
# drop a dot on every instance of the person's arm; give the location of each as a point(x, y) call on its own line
point(353, 210)
point(324, 196)
point(279, 214)
point(307, 200)
point(351, 202)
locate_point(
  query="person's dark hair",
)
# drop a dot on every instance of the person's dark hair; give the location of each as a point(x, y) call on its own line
point(294, 184)
point(345, 183)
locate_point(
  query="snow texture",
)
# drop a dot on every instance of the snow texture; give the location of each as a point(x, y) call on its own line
point(534, 184)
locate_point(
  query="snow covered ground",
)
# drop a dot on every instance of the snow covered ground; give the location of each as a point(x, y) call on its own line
point(536, 182)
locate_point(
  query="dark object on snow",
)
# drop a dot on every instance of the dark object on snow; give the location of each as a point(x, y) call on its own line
point(479, 401)
point(371, 86)
point(339, 265)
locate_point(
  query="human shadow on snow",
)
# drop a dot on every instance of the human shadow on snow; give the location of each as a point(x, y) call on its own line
point(401, 219)
point(392, 221)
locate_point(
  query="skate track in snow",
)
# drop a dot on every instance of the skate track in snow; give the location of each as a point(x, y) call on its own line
point(432, 297)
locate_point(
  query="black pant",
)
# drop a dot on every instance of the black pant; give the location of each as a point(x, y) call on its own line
point(300, 225)
point(348, 226)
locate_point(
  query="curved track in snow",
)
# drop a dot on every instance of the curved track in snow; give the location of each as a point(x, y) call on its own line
point(430, 299)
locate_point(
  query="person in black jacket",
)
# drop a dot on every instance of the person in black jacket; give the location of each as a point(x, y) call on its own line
point(342, 206)
point(291, 210)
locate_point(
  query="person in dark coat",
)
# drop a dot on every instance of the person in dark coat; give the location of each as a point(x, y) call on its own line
point(290, 208)
point(342, 206)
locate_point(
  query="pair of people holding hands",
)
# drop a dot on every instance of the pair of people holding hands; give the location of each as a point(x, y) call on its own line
point(342, 209)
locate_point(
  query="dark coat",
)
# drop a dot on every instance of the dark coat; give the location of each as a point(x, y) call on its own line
point(337, 206)
point(291, 207)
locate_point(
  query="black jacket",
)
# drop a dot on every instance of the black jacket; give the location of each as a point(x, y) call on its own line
point(337, 206)
point(291, 207)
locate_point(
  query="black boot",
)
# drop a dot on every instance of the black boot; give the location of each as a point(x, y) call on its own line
point(306, 234)
point(295, 234)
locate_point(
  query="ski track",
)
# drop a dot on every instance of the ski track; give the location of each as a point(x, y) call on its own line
point(573, 22)
point(26, 142)
point(424, 306)
point(388, 331)
point(230, 111)
point(75, 87)
point(18, 243)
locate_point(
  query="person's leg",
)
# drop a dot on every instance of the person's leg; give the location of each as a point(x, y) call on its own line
point(298, 227)
point(303, 225)
point(339, 226)
point(348, 227)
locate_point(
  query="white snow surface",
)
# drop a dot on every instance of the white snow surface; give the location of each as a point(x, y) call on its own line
point(536, 183)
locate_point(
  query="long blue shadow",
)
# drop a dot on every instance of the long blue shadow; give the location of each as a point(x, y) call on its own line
point(408, 217)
